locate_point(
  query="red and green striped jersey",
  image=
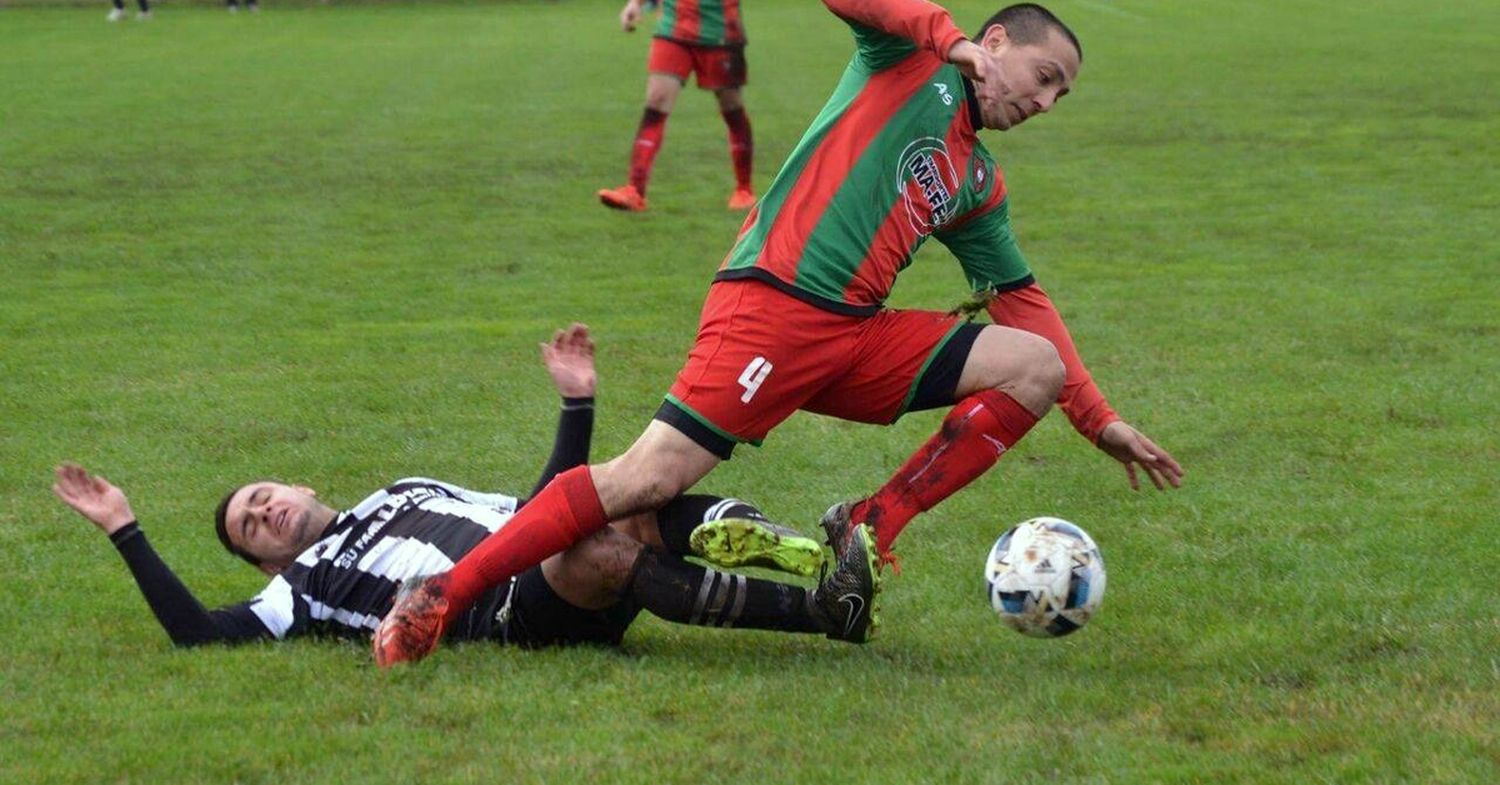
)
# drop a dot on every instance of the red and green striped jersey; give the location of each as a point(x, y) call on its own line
point(892, 159)
point(702, 22)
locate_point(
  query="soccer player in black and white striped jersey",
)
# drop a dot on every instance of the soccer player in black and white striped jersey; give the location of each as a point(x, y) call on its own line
point(337, 572)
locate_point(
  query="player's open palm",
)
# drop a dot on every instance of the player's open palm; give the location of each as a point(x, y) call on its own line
point(569, 358)
point(93, 497)
point(1139, 454)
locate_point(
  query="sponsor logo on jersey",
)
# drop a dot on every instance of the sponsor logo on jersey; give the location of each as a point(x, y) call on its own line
point(928, 183)
point(393, 504)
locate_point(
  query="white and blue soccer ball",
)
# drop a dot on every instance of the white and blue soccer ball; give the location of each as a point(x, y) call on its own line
point(1045, 577)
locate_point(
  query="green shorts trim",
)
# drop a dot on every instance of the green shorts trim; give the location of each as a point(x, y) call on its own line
point(949, 367)
point(700, 429)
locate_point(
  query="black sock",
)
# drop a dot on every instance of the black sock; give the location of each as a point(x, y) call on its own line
point(677, 591)
point(680, 516)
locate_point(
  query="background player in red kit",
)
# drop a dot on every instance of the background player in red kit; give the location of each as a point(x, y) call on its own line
point(795, 318)
point(704, 37)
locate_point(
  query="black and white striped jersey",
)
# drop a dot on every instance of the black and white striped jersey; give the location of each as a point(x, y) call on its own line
point(345, 583)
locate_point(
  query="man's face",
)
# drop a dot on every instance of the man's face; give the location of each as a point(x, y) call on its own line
point(272, 522)
point(1031, 78)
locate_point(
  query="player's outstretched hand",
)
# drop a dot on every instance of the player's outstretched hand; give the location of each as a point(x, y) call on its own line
point(629, 15)
point(93, 497)
point(569, 358)
point(973, 60)
point(1131, 447)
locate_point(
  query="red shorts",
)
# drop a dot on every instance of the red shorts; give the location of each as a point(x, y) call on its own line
point(762, 354)
point(718, 67)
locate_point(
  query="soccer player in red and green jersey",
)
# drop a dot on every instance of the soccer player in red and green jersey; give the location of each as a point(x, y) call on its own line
point(702, 36)
point(795, 318)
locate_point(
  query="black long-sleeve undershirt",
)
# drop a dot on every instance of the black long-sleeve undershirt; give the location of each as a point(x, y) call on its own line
point(185, 619)
point(570, 448)
point(188, 623)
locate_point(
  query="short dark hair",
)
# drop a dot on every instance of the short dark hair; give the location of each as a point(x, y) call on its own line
point(221, 528)
point(1029, 23)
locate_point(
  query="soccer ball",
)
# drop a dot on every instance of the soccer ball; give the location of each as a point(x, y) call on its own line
point(1045, 577)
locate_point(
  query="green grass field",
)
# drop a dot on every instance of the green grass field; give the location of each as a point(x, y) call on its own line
point(321, 244)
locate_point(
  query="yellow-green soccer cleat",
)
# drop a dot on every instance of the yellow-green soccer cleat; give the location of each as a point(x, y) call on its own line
point(750, 542)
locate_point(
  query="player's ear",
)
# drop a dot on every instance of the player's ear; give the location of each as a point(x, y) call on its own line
point(994, 39)
point(306, 490)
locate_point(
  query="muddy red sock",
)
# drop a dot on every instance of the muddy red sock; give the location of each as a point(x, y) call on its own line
point(741, 145)
point(566, 511)
point(973, 437)
point(647, 141)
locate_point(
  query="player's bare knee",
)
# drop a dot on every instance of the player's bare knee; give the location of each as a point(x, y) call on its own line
point(595, 572)
point(610, 559)
point(1037, 372)
point(1049, 371)
point(661, 93)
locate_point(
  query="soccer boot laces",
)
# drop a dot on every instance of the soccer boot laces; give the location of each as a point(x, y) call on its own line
point(838, 523)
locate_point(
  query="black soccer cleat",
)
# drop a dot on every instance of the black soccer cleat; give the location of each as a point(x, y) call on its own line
point(837, 524)
point(844, 603)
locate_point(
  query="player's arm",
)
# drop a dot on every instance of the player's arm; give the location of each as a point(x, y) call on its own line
point(920, 23)
point(569, 358)
point(1029, 308)
point(185, 619)
point(986, 247)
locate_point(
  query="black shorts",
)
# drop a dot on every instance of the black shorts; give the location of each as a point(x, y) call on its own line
point(533, 616)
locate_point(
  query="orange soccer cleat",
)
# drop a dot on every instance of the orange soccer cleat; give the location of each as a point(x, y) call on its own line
point(623, 198)
point(742, 199)
point(415, 624)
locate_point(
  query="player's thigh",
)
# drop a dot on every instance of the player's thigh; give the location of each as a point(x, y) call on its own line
point(1003, 358)
point(667, 68)
point(760, 355)
point(720, 67)
point(904, 361)
point(662, 91)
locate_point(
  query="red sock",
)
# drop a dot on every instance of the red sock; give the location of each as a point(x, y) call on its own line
point(973, 437)
point(647, 141)
point(741, 145)
point(566, 511)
